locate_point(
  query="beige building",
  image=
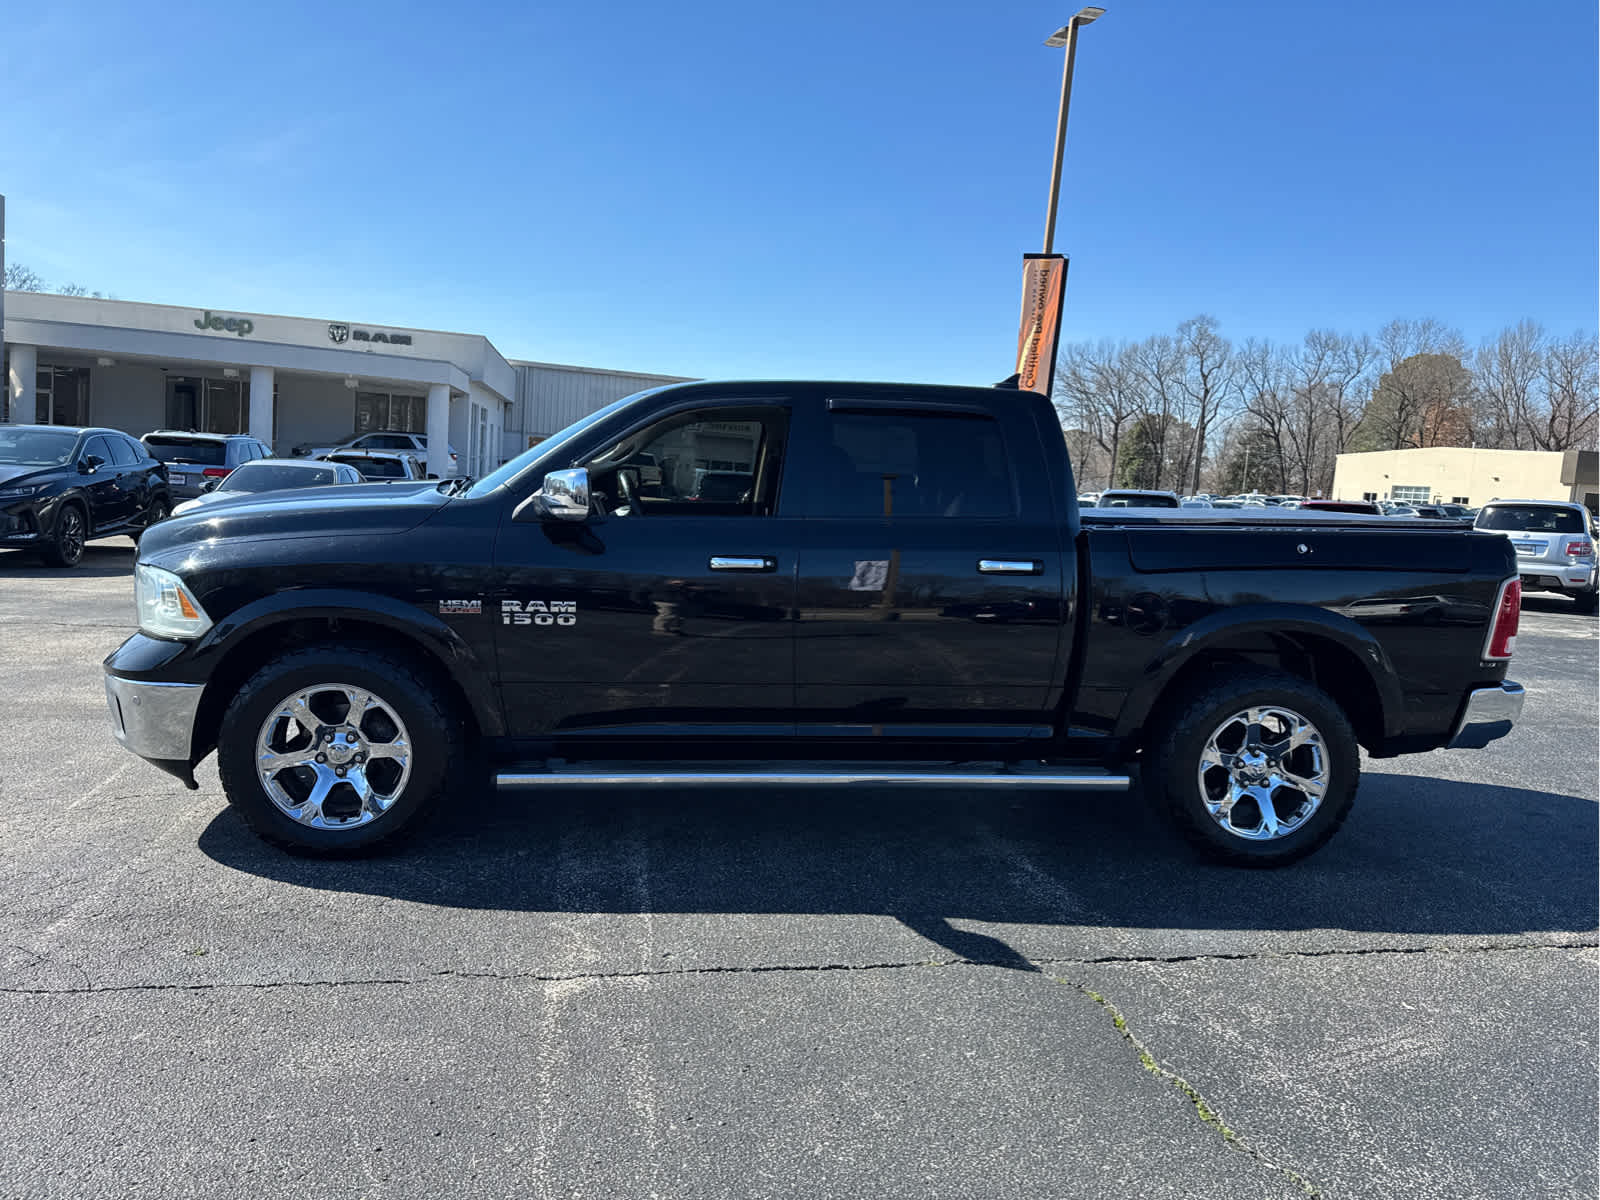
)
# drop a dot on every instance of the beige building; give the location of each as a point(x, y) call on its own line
point(1457, 475)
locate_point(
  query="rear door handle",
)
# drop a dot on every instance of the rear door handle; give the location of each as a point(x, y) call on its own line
point(1010, 566)
point(742, 562)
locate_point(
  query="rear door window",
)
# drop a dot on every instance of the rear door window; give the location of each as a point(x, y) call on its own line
point(913, 464)
point(122, 454)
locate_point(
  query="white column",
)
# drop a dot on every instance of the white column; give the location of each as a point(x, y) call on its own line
point(20, 385)
point(261, 404)
point(439, 430)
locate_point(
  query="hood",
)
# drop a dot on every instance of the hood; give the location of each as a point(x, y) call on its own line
point(23, 473)
point(345, 510)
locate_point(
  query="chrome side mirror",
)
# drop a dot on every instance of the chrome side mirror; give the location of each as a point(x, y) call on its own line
point(564, 497)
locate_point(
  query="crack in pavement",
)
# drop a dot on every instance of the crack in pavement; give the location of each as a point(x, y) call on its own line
point(1204, 1109)
point(769, 969)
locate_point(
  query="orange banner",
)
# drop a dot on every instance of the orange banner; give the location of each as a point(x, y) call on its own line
point(1044, 280)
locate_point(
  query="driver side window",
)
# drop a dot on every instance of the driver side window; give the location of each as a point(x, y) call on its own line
point(707, 463)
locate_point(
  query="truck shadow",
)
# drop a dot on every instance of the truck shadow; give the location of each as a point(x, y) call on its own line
point(1418, 855)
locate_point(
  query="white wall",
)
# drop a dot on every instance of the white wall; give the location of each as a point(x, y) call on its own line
point(128, 396)
point(315, 410)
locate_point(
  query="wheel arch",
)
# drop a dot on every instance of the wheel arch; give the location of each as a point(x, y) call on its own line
point(1323, 648)
point(248, 639)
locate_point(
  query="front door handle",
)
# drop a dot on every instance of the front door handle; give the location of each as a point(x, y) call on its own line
point(743, 562)
point(1010, 566)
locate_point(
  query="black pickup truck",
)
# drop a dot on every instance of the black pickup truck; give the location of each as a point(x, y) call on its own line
point(889, 585)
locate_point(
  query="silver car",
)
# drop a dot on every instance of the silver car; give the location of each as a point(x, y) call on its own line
point(1554, 542)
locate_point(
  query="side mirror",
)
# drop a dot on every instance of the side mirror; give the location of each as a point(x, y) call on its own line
point(210, 485)
point(564, 497)
point(89, 463)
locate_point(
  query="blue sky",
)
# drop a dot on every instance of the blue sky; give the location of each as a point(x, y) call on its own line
point(827, 190)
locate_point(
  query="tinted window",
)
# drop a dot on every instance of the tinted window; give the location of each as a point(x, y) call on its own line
point(386, 441)
point(913, 465)
point(1530, 518)
point(177, 449)
point(122, 454)
point(99, 447)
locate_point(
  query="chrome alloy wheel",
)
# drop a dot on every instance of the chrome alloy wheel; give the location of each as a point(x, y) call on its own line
point(1263, 773)
point(333, 756)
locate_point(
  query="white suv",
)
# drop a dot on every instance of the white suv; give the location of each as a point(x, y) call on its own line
point(1554, 542)
point(387, 439)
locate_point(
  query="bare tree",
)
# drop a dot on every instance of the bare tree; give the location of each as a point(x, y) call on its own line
point(1267, 391)
point(1570, 380)
point(22, 279)
point(1506, 372)
point(1333, 378)
point(1097, 392)
point(1159, 365)
point(1207, 382)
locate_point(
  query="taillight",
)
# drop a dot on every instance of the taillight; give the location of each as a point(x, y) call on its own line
point(1583, 549)
point(1507, 611)
point(216, 472)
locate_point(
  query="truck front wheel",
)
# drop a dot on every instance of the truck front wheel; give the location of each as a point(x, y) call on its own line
point(1257, 769)
point(327, 750)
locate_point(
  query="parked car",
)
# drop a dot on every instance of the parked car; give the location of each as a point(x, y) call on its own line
point(1554, 542)
point(61, 487)
point(271, 475)
point(1196, 503)
point(383, 439)
point(194, 459)
point(1137, 498)
point(1343, 506)
point(1392, 509)
point(355, 659)
point(376, 465)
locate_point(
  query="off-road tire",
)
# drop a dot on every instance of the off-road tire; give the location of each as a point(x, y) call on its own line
point(436, 735)
point(1180, 735)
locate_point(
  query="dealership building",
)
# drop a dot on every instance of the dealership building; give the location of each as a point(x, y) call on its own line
point(1456, 474)
point(289, 381)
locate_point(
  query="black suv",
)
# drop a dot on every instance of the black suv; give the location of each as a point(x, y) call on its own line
point(59, 487)
point(194, 459)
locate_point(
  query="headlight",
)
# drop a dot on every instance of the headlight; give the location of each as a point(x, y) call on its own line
point(17, 493)
point(167, 608)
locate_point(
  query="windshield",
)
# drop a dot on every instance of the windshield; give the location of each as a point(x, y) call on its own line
point(551, 445)
point(187, 450)
point(36, 447)
point(1530, 518)
point(270, 477)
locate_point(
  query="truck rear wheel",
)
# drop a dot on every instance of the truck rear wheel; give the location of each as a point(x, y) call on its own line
point(1257, 769)
point(328, 750)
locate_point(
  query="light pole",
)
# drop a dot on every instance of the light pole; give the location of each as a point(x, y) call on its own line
point(1066, 36)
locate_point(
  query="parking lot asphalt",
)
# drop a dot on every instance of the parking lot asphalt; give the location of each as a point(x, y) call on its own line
point(784, 993)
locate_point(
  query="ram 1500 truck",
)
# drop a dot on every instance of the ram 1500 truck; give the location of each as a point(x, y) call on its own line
point(901, 591)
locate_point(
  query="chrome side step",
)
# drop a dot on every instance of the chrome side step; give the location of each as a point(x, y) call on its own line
point(985, 775)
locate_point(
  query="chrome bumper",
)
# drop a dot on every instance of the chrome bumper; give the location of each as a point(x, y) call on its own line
point(154, 720)
point(1489, 714)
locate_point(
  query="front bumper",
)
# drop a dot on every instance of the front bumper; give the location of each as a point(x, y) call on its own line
point(155, 721)
point(1489, 714)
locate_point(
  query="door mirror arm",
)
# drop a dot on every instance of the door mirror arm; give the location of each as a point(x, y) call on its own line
point(89, 463)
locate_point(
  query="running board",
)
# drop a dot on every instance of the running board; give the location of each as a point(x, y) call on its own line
point(986, 775)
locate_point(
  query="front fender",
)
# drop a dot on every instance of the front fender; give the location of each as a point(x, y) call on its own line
point(465, 668)
point(1297, 620)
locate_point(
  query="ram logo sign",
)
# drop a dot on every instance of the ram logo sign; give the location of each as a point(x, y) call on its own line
point(538, 612)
